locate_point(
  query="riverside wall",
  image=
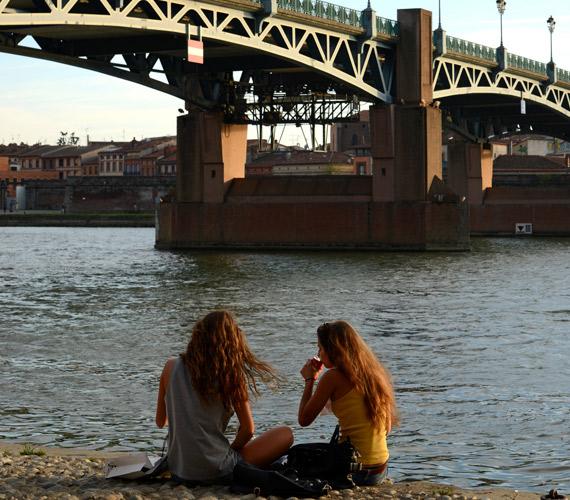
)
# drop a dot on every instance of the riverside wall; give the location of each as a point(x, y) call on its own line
point(547, 208)
point(97, 194)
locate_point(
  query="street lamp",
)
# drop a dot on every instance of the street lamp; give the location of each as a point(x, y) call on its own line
point(501, 5)
point(551, 25)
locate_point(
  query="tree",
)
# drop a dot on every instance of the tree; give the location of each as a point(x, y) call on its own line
point(64, 140)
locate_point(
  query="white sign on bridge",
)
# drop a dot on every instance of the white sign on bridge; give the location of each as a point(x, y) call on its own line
point(523, 228)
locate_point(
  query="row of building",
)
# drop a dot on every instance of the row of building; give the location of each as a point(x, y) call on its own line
point(148, 157)
point(348, 153)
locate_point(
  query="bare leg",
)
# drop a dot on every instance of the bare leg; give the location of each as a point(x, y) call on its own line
point(265, 449)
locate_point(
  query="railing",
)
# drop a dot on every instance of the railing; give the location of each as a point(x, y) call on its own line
point(563, 75)
point(387, 27)
point(525, 64)
point(324, 10)
point(459, 46)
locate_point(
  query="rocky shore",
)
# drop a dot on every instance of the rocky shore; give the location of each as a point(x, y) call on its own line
point(51, 473)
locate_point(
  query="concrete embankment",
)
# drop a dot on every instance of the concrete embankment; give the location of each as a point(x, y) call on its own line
point(74, 474)
point(58, 219)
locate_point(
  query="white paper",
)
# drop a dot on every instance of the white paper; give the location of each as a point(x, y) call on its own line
point(131, 466)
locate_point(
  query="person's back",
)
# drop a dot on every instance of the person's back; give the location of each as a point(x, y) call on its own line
point(197, 447)
point(354, 422)
point(197, 394)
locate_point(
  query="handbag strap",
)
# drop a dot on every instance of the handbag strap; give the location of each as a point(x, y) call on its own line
point(163, 452)
point(336, 434)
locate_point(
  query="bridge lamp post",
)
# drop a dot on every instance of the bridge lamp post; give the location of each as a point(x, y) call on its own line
point(551, 25)
point(501, 6)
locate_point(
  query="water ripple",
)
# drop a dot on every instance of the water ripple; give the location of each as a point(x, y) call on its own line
point(477, 342)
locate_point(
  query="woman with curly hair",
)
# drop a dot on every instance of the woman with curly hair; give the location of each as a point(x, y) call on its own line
point(361, 394)
point(198, 393)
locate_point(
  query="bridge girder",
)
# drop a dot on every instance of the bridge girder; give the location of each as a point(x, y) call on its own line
point(150, 37)
point(482, 95)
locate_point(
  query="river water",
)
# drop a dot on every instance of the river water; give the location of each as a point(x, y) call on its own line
point(477, 342)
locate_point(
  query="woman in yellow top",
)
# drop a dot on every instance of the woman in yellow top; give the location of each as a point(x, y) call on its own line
point(361, 394)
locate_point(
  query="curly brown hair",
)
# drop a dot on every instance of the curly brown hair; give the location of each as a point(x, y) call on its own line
point(220, 362)
point(348, 352)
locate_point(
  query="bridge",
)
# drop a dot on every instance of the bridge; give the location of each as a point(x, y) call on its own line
point(303, 61)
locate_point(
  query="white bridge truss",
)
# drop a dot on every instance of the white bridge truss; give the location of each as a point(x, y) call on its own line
point(144, 41)
point(453, 78)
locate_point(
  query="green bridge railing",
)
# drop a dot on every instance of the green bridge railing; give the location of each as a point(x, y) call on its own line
point(324, 10)
point(459, 46)
point(489, 54)
point(564, 75)
point(339, 14)
point(388, 27)
point(526, 64)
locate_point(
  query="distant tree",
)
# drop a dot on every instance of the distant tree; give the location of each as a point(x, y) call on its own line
point(66, 139)
point(62, 141)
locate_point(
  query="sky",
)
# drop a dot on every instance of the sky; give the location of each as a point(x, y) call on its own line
point(39, 99)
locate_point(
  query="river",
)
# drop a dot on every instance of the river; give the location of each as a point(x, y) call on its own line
point(477, 342)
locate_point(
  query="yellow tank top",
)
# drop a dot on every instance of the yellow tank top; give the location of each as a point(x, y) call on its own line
point(354, 423)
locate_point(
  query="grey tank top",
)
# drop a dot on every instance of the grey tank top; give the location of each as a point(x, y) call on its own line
point(197, 447)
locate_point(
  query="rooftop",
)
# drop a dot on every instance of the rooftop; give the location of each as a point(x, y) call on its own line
point(300, 158)
point(529, 162)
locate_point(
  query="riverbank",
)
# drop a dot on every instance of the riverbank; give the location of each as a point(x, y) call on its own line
point(54, 218)
point(75, 474)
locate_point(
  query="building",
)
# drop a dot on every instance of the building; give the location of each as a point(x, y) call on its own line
point(137, 158)
point(353, 138)
point(90, 166)
point(301, 163)
point(351, 135)
point(528, 170)
point(166, 165)
point(68, 161)
point(533, 145)
point(33, 157)
point(9, 156)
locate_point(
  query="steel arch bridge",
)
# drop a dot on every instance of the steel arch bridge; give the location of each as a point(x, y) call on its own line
point(292, 54)
point(287, 46)
point(478, 85)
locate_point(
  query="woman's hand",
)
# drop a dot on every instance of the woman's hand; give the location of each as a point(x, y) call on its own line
point(312, 404)
point(310, 369)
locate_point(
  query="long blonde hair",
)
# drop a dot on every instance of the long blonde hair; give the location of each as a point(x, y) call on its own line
point(348, 352)
point(220, 363)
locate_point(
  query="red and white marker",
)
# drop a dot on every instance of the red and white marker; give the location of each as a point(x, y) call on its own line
point(195, 51)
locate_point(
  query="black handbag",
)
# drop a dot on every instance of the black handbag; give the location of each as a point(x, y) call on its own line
point(331, 461)
point(250, 479)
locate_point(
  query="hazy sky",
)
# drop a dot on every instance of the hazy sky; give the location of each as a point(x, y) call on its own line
point(39, 98)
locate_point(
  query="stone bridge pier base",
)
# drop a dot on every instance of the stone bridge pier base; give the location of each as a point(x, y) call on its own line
point(469, 170)
point(407, 178)
point(210, 154)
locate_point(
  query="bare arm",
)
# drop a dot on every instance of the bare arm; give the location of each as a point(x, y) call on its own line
point(312, 404)
point(246, 425)
point(161, 419)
